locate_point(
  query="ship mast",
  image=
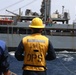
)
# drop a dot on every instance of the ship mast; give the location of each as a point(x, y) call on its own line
point(45, 9)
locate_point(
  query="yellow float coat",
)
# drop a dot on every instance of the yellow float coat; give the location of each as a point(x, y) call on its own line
point(35, 49)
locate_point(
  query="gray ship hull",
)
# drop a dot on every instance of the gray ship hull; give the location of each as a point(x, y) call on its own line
point(59, 42)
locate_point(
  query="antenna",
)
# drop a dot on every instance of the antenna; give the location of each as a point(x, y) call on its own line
point(62, 11)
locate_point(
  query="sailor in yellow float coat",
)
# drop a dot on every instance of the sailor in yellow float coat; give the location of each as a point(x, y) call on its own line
point(34, 50)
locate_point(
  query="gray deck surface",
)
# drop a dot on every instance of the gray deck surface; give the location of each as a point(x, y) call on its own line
point(64, 64)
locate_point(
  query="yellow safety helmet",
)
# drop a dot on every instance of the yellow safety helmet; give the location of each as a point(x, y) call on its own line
point(37, 23)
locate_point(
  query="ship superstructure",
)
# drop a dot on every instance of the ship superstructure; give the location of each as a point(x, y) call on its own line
point(14, 28)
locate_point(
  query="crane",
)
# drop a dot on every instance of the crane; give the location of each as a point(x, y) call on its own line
point(12, 12)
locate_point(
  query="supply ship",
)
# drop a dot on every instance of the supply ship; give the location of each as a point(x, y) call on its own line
point(62, 36)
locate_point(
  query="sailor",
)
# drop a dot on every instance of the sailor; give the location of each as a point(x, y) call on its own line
point(34, 50)
point(4, 64)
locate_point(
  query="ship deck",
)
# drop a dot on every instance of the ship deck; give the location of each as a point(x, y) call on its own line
point(62, 36)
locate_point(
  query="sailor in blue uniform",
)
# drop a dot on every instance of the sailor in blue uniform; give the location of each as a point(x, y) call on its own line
point(4, 64)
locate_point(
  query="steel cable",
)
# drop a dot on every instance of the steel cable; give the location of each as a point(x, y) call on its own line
point(11, 5)
point(25, 5)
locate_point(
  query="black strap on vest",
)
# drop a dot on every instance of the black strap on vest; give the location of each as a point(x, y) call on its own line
point(33, 66)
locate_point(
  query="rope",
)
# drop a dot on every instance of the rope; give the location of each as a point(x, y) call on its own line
point(26, 4)
point(11, 5)
point(12, 73)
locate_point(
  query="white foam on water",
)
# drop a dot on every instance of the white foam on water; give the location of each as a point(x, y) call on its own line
point(12, 53)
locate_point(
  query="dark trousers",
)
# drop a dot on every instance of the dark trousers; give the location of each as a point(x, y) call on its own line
point(0, 73)
point(26, 72)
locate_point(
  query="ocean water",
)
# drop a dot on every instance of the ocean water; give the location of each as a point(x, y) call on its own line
point(64, 64)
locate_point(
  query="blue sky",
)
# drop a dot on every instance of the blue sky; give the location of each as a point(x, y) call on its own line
point(35, 5)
